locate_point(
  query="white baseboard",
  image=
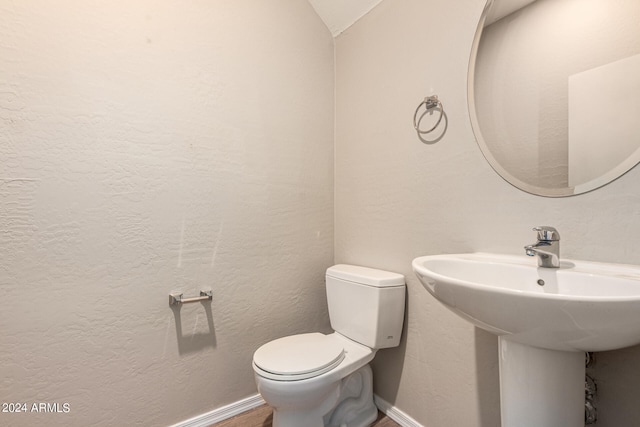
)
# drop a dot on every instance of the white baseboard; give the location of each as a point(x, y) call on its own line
point(221, 414)
point(394, 413)
point(251, 402)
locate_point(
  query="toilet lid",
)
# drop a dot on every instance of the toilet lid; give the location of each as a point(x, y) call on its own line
point(301, 356)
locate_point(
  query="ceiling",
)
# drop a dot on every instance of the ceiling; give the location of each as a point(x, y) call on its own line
point(338, 15)
point(502, 8)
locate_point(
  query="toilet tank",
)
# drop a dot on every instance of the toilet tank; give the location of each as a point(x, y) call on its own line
point(366, 305)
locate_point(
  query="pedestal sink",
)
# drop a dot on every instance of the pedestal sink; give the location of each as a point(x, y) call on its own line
point(545, 319)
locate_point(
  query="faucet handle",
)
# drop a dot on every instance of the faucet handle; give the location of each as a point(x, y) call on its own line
point(547, 233)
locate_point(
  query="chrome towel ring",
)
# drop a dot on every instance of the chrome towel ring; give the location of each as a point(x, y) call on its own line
point(430, 103)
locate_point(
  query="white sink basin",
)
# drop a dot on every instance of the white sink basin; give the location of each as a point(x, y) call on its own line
point(582, 306)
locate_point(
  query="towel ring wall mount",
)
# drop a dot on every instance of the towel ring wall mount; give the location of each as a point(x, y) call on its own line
point(430, 104)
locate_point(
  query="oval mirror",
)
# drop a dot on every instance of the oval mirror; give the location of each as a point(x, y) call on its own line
point(554, 92)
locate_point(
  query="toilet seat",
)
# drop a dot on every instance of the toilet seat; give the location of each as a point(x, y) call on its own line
point(298, 357)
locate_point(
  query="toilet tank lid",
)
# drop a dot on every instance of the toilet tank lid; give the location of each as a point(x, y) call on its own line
point(365, 275)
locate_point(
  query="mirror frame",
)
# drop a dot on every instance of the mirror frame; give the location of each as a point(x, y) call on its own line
point(586, 187)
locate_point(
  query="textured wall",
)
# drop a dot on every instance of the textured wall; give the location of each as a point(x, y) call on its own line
point(146, 147)
point(397, 198)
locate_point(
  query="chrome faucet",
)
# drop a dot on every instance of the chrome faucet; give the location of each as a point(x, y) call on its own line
point(547, 248)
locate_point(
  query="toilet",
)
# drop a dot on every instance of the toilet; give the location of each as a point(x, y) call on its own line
point(317, 380)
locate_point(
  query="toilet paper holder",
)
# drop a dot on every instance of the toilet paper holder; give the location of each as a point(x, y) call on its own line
point(176, 298)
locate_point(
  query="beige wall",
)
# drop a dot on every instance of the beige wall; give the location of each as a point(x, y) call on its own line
point(152, 146)
point(397, 198)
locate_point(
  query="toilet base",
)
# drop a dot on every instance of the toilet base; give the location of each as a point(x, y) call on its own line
point(348, 403)
point(355, 407)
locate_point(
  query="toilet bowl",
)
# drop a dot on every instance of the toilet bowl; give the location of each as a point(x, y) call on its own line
point(316, 380)
point(304, 399)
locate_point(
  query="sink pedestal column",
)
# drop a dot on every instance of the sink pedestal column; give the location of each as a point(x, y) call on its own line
point(540, 387)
